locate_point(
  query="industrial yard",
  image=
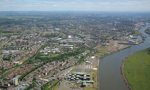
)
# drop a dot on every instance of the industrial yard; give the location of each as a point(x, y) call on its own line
point(81, 76)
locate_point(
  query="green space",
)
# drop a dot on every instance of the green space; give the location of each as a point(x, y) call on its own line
point(0, 51)
point(137, 69)
point(1, 62)
point(6, 73)
point(32, 59)
point(24, 59)
point(50, 85)
point(50, 59)
point(1, 44)
point(136, 33)
point(9, 33)
point(55, 55)
point(89, 88)
point(50, 35)
point(94, 78)
point(103, 51)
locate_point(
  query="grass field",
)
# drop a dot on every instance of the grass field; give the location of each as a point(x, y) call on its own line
point(137, 70)
point(0, 51)
point(24, 59)
point(136, 33)
point(102, 51)
point(55, 55)
point(86, 35)
point(8, 34)
point(1, 44)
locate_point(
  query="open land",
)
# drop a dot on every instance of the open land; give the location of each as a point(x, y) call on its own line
point(135, 69)
point(111, 47)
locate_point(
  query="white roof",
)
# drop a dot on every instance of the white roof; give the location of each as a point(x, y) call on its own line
point(94, 68)
point(93, 57)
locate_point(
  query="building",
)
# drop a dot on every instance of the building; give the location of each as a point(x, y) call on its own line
point(80, 78)
point(62, 64)
point(15, 81)
point(53, 63)
point(69, 36)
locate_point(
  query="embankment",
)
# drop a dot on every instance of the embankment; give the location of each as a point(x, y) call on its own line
point(98, 78)
point(122, 73)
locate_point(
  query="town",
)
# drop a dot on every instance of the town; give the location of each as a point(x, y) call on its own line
point(61, 50)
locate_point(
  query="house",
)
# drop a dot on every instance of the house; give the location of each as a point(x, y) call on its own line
point(62, 64)
point(53, 63)
point(87, 83)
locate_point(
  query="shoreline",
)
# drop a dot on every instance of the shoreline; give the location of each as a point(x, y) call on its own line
point(98, 78)
point(122, 64)
point(122, 72)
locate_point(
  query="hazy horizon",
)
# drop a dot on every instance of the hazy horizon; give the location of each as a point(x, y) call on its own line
point(74, 5)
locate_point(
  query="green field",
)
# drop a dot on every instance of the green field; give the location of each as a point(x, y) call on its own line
point(137, 70)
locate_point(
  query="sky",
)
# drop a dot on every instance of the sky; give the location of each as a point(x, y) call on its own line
point(74, 5)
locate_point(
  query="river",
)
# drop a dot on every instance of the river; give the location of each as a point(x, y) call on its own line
point(139, 37)
point(110, 73)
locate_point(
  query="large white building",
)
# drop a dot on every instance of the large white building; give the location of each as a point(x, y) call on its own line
point(15, 81)
point(69, 36)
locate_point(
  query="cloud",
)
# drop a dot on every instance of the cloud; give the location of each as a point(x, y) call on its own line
point(54, 5)
point(76, 5)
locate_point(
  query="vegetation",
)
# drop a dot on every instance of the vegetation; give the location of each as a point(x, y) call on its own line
point(89, 88)
point(9, 33)
point(20, 78)
point(1, 44)
point(45, 86)
point(50, 59)
point(27, 88)
point(137, 69)
point(148, 50)
point(7, 58)
point(30, 87)
point(3, 71)
point(50, 35)
point(94, 78)
point(50, 85)
point(53, 85)
point(136, 33)
point(6, 73)
point(55, 55)
point(41, 28)
point(30, 60)
point(102, 51)
point(147, 31)
point(24, 59)
point(61, 56)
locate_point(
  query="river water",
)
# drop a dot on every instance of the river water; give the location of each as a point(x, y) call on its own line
point(110, 73)
point(139, 37)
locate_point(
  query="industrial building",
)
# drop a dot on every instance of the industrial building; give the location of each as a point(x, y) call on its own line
point(80, 78)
